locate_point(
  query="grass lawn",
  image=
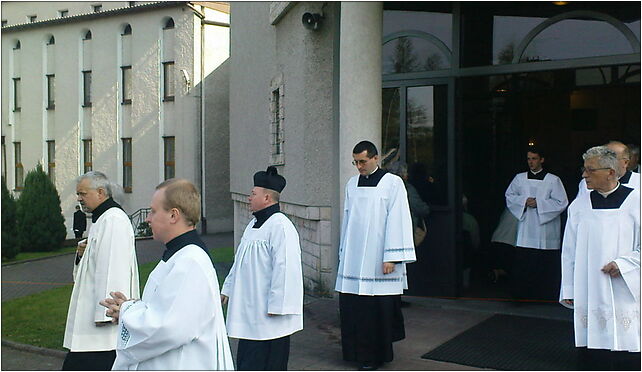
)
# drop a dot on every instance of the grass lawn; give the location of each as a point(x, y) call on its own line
point(39, 319)
point(29, 255)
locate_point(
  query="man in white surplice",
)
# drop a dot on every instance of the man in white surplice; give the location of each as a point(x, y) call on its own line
point(376, 243)
point(178, 324)
point(264, 289)
point(601, 267)
point(626, 176)
point(105, 261)
point(536, 198)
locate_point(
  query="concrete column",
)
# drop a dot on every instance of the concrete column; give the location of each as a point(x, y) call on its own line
point(359, 106)
point(360, 81)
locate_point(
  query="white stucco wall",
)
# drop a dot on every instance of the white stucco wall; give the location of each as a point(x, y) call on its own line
point(303, 60)
point(146, 120)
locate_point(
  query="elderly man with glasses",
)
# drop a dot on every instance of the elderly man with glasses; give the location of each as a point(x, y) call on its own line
point(625, 176)
point(601, 266)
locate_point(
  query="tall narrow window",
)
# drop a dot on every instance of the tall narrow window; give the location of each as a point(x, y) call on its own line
point(51, 160)
point(127, 84)
point(87, 156)
point(51, 92)
point(87, 35)
point(17, 94)
point(168, 81)
point(170, 161)
point(276, 126)
point(63, 13)
point(32, 18)
point(4, 160)
point(97, 8)
point(127, 30)
point(86, 83)
point(51, 41)
point(19, 170)
point(127, 165)
point(169, 24)
point(4, 22)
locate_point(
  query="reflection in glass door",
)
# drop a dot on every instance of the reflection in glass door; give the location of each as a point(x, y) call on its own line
point(416, 132)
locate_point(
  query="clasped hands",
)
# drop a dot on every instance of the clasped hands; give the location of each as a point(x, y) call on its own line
point(113, 305)
point(531, 202)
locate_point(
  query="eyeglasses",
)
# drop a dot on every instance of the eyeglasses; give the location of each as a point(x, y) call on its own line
point(591, 170)
point(361, 161)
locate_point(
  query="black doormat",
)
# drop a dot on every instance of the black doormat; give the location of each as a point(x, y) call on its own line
point(508, 342)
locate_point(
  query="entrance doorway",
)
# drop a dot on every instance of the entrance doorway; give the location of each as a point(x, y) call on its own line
point(562, 112)
point(418, 130)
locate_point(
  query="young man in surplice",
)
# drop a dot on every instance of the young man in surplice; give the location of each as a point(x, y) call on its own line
point(376, 243)
point(537, 199)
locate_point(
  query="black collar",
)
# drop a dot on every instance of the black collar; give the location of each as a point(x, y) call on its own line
point(539, 176)
point(264, 214)
point(185, 239)
point(612, 201)
point(102, 208)
point(626, 177)
point(373, 179)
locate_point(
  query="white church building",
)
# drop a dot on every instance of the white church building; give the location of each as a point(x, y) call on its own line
point(137, 90)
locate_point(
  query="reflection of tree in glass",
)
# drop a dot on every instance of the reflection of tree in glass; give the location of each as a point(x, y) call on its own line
point(390, 118)
point(404, 58)
point(433, 62)
point(419, 127)
point(506, 54)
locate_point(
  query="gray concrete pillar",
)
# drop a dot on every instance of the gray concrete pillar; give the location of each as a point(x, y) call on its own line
point(360, 81)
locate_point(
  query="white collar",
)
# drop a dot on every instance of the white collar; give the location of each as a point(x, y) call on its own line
point(541, 169)
point(605, 194)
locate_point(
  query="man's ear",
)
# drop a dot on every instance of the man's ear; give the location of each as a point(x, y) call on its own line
point(174, 215)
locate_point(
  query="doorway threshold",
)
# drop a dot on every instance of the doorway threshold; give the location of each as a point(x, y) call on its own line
point(533, 309)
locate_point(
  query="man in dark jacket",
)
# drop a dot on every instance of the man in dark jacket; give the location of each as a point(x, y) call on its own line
point(80, 222)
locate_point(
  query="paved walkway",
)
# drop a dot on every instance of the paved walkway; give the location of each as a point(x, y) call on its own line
point(22, 279)
point(429, 322)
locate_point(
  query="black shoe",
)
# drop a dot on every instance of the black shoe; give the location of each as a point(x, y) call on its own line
point(369, 366)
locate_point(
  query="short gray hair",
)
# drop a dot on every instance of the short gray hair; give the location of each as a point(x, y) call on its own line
point(97, 180)
point(606, 157)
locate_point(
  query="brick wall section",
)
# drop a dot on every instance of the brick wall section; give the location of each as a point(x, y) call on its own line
point(315, 236)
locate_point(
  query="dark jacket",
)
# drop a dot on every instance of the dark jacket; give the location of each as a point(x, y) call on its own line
point(80, 221)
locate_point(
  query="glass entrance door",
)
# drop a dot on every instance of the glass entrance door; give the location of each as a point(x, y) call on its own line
point(417, 130)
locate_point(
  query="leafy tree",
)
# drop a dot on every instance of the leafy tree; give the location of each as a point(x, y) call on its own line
point(10, 247)
point(41, 226)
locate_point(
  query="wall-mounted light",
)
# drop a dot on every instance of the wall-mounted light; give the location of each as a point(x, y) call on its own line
point(312, 21)
point(560, 3)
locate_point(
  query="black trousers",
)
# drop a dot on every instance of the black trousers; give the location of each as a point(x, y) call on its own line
point(536, 274)
point(369, 326)
point(89, 360)
point(607, 360)
point(267, 355)
point(78, 234)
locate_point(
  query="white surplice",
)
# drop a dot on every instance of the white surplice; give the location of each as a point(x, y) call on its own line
point(376, 228)
point(266, 277)
point(178, 324)
point(108, 264)
point(606, 309)
point(634, 183)
point(539, 227)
